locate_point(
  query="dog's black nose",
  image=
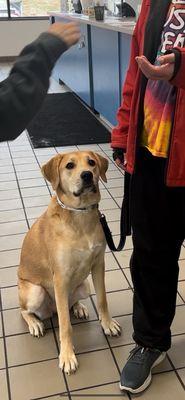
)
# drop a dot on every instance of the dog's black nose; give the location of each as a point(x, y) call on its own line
point(87, 176)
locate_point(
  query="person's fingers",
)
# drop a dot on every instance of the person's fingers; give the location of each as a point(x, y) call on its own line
point(167, 59)
point(119, 163)
point(155, 72)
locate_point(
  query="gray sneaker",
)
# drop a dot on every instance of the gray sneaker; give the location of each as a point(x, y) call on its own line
point(136, 374)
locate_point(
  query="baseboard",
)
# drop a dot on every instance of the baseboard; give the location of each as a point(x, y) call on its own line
point(8, 59)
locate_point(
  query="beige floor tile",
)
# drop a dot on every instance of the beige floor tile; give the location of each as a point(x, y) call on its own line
point(114, 280)
point(165, 386)
point(12, 215)
point(36, 380)
point(11, 204)
point(101, 392)
point(112, 215)
point(10, 228)
point(8, 185)
point(181, 269)
point(110, 262)
point(29, 174)
point(181, 290)
point(113, 183)
point(37, 201)
point(15, 324)
point(123, 258)
point(114, 174)
point(182, 254)
point(128, 276)
point(9, 298)
point(181, 373)
point(122, 354)
point(27, 183)
point(8, 276)
point(114, 227)
point(126, 335)
point(24, 349)
point(9, 258)
point(9, 194)
point(27, 167)
point(1, 329)
point(177, 351)
point(119, 201)
point(179, 300)
point(88, 337)
point(2, 356)
point(94, 369)
point(21, 154)
point(178, 325)
point(117, 192)
point(35, 191)
point(120, 303)
point(11, 242)
point(6, 169)
point(104, 194)
point(22, 161)
point(35, 212)
point(107, 204)
point(3, 386)
point(7, 177)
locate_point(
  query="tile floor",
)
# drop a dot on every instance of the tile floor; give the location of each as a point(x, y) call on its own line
point(29, 366)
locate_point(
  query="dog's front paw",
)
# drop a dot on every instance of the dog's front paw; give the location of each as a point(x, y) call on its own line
point(80, 311)
point(111, 328)
point(68, 362)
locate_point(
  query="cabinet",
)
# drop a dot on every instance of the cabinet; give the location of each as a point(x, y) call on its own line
point(105, 72)
point(124, 44)
point(73, 67)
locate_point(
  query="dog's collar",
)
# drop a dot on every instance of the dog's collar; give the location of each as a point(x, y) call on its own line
point(85, 209)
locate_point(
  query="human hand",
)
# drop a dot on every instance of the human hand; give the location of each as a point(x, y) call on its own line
point(69, 32)
point(119, 158)
point(164, 71)
point(120, 164)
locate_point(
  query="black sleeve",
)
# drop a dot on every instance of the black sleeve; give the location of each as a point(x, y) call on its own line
point(22, 93)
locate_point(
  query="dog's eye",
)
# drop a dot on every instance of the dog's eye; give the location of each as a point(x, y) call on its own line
point(70, 165)
point(91, 163)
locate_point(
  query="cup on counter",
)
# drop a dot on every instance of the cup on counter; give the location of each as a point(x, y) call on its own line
point(99, 12)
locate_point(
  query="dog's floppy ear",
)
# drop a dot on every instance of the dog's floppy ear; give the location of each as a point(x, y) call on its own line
point(103, 165)
point(50, 171)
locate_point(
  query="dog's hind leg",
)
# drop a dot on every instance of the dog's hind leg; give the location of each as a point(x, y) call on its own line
point(81, 292)
point(35, 305)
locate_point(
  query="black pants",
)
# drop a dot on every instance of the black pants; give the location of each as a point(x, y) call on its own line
point(158, 223)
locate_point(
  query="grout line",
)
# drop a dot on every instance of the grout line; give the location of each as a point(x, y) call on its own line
point(5, 354)
point(176, 373)
point(113, 356)
point(78, 390)
point(58, 351)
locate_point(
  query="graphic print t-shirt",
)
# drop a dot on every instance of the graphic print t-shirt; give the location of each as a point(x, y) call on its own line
point(159, 102)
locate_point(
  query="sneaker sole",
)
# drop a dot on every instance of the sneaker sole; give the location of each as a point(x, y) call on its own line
point(148, 379)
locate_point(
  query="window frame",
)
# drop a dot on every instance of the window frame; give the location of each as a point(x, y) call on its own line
point(31, 18)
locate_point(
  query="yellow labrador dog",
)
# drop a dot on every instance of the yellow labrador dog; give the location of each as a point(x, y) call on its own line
point(62, 247)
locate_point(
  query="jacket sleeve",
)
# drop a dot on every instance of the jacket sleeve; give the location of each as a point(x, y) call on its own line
point(22, 93)
point(178, 79)
point(120, 132)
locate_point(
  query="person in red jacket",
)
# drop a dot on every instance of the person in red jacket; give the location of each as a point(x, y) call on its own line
point(149, 142)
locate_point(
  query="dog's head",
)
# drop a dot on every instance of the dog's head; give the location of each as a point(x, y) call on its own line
point(74, 176)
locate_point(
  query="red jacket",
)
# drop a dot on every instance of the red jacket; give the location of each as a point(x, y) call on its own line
point(146, 40)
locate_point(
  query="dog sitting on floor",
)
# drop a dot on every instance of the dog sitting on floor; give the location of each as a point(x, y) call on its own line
point(61, 249)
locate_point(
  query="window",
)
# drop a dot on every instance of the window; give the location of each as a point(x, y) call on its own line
point(28, 8)
point(3, 9)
